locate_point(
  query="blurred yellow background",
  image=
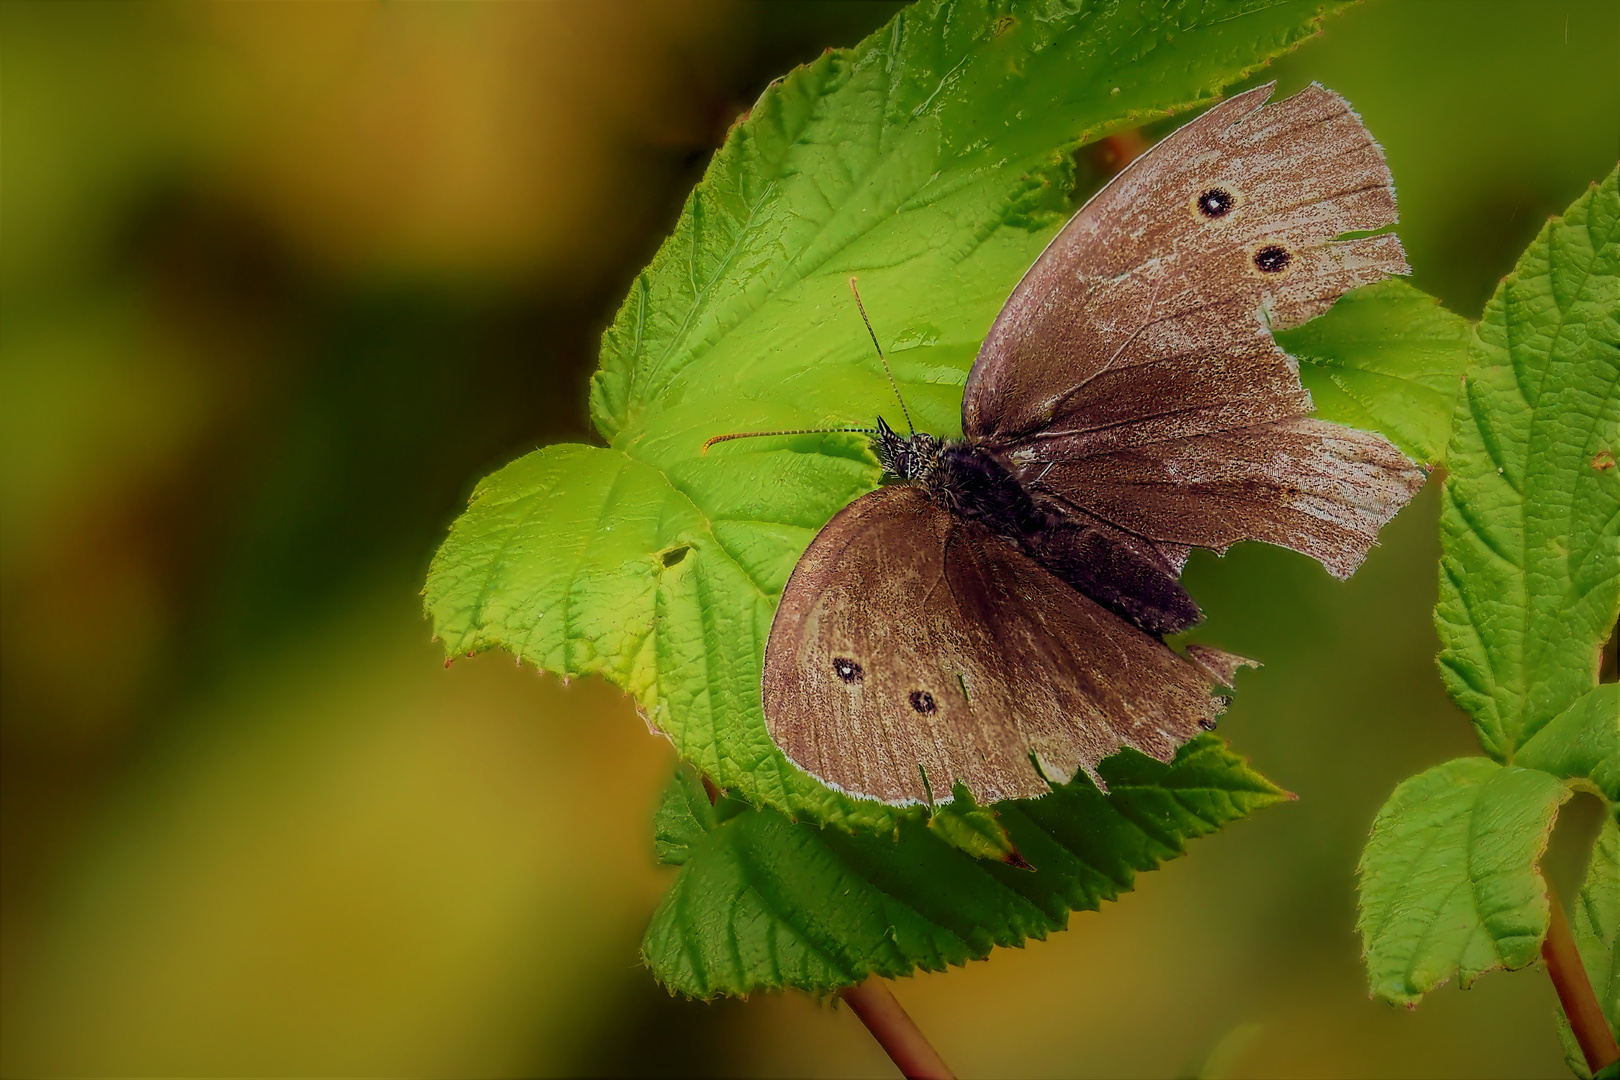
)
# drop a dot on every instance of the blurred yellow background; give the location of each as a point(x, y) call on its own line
point(282, 281)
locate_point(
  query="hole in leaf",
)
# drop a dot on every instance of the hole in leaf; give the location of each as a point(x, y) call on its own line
point(674, 555)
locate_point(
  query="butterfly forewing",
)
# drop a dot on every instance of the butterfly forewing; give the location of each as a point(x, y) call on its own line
point(913, 649)
point(1132, 374)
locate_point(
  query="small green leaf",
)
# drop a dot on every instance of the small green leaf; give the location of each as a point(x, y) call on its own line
point(934, 161)
point(972, 828)
point(1597, 925)
point(1385, 358)
point(764, 903)
point(1581, 741)
point(1449, 882)
point(1530, 519)
point(684, 815)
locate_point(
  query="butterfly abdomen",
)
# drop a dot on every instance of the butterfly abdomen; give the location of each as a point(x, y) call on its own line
point(1116, 570)
point(1101, 562)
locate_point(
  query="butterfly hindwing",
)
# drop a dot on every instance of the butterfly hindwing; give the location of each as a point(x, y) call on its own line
point(910, 643)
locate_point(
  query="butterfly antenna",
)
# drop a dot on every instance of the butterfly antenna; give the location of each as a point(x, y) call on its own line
point(795, 431)
point(892, 384)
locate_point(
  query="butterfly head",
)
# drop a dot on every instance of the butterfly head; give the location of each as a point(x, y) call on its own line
point(904, 457)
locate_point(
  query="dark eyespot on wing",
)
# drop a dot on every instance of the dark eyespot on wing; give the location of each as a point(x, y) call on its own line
point(674, 555)
point(1216, 202)
point(847, 669)
point(1272, 259)
point(923, 702)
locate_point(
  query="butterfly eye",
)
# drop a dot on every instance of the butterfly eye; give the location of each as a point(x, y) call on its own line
point(1214, 203)
point(847, 669)
point(923, 702)
point(1272, 259)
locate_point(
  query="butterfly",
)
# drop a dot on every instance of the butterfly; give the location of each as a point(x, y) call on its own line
point(994, 614)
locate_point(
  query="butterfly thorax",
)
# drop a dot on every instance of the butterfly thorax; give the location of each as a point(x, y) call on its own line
point(968, 480)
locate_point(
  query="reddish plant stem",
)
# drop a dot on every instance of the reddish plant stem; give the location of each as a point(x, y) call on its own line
point(1575, 991)
point(895, 1031)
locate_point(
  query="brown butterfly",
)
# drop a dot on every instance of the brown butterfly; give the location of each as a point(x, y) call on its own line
point(997, 618)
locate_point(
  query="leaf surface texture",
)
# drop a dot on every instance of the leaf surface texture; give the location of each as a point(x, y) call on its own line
point(764, 903)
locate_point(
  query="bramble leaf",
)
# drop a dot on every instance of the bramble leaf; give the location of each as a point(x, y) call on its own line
point(1449, 881)
point(1530, 519)
point(1385, 358)
point(763, 903)
point(1581, 741)
point(1597, 926)
point(932, 160)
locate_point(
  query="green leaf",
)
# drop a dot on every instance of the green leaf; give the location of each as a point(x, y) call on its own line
point(1581, 741)
point(764, 903)
point(974, 829)
point(1530, 519)
point(932, 160)
point(1449, 883)
point(1597, 925)
point(1385, 358)
point(684, 815)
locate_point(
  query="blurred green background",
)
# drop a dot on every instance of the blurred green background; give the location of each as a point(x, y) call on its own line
point(281, 282)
